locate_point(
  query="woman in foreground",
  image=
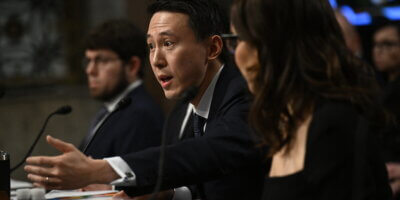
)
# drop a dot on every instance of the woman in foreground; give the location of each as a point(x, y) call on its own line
point(313, 101)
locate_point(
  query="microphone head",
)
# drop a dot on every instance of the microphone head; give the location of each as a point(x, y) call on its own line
point(63, 110)
point(189, 94)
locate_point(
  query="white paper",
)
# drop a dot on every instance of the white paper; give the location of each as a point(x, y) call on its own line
point(75, 193)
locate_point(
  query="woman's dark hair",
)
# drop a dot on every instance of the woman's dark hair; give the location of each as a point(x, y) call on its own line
point(303, 58)
point(122, 37)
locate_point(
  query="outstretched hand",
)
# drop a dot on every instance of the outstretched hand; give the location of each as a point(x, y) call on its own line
point(70, 170)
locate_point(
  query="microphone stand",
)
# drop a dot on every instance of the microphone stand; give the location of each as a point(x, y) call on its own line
point(187, 96)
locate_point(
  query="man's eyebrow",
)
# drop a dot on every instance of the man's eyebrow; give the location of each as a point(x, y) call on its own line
point(164, 33)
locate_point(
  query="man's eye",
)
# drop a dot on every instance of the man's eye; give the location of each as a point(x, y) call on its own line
point(150, 46)
point(102, 60)
point(168, 44)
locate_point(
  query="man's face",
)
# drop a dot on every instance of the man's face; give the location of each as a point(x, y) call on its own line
point(105, 73)
point(178, 59)
point(386, 51)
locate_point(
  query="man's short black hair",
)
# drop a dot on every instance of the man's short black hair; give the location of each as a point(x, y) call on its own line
point(206, 18)
point(122, 37)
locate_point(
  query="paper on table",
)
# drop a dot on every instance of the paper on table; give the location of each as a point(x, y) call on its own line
point(19, 184)
point(75, 193)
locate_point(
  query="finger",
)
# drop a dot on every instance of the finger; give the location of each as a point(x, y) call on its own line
point(41, 160)
point(37, 179)
point(45, 181)
point(41, 171)
point(60, 145)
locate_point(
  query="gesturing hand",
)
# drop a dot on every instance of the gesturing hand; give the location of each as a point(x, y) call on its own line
point(70, 170)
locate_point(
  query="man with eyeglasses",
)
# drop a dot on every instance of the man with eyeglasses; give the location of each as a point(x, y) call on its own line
point(386, 57)
point(129, 120)
point(386, 50)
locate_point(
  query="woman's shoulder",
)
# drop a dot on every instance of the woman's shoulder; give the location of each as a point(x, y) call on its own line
point(333, 120)
point(335, 112)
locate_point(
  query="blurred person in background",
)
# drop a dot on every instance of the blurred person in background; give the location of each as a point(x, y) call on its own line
point(386, 58)
point(129, 120)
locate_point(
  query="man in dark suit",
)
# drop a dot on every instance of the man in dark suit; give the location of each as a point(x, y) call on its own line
point(129, 120)
point(210, 147)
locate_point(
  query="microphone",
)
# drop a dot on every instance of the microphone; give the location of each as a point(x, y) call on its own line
point(60, 111)
point(63, 110)
point(123, 103)
point(188, 95)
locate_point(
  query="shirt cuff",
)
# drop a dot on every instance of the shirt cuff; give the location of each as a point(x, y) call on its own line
point(128, 177)
point(182, 193)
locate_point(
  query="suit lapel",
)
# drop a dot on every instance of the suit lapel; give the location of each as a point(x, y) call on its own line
point(178, 115)
point(227, 74)
point(175, 122)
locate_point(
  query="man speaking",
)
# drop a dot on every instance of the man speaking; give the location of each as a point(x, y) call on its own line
point(210, 148)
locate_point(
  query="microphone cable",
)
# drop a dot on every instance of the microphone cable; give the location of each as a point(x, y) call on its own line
point(60, 111)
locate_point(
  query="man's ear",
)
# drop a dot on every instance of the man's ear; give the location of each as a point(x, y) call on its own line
point(132, 68)
point(215, 47)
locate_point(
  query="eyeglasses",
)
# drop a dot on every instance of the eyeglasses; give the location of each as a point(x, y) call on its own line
point(98, 61)
point(386, 45)
point(231, 41)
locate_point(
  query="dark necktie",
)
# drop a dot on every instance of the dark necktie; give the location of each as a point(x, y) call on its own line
point(198, 131)
point(198, 125)
point(99, 116)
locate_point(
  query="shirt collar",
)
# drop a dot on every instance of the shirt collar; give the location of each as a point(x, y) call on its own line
point(204, 105)
point(112, 105)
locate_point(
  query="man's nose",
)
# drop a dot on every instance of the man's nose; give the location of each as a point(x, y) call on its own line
point(158, 58)
point(378, 51)
point(91, 68)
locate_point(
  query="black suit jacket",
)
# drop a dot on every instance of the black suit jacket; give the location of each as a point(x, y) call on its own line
point(224, 161)
point(129, 129)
